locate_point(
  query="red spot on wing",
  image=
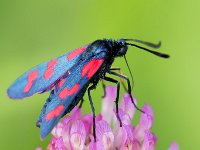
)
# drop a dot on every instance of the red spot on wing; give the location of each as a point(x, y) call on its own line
point(75, 52)
point(54, 113)
point(68, 92)
point(50, 69)
point(61, 83)
point(32, 76)
point(91, 67)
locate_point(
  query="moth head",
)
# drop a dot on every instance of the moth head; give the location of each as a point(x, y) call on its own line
point(121, 47)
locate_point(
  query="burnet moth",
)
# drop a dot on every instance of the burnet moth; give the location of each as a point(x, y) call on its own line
point(69, 76)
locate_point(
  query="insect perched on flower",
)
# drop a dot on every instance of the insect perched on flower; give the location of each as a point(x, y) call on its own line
point(70, 75)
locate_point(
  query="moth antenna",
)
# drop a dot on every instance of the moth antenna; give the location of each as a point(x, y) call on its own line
point(152, 45)
point(129, 71)
point(150, 51)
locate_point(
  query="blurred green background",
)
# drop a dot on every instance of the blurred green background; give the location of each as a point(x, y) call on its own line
point(34, 31)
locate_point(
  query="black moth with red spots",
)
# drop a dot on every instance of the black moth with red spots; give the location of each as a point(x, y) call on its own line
point(71, 75)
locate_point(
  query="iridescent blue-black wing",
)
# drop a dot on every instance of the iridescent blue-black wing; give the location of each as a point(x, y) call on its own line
point(44, 76)
point(71, 90)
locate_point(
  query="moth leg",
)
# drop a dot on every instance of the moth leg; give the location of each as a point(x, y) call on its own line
point(103, 84)
point(117, 97)
point(115, 68)
point(104, 88)
point(92, 87)
point(129, 88)
point(122, 80)
point(81, 103)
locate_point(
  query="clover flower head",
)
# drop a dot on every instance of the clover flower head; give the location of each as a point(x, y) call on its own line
point(75, 132)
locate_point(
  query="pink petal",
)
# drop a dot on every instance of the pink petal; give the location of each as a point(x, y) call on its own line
point(66, 120)
point(124, 138)
point(118, 134)
point(99, 117)
point(108, 102)
point(149, 142)
point(76, 113)
point(129, 145)
point(66, 135)
point(136, 144)
point(147, 118)
point(57, 130)
point(96, 145)
point(77, 135)
point(127, 106)
point(56, 144)
point(111, 92)
point(125, 118)
point(146, 121)
point(87, 120)
point(38, 148)
point(174, 146)
point(104, 134)
point(127, 131)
